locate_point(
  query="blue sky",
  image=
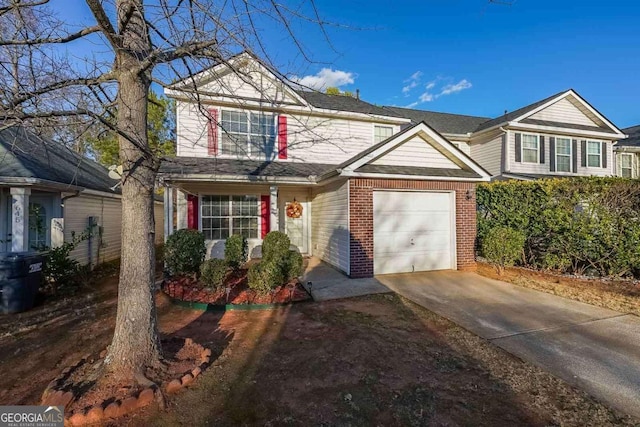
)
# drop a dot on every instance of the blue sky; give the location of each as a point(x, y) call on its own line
point(469, 56)
point(472, 57)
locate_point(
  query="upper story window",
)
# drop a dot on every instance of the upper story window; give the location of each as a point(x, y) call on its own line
point(247, 134)
point(380, 133)
point(626, 165)
point(563, 154)
point(530, 148)
point(594, 154)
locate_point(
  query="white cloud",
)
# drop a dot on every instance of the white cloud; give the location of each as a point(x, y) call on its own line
point(440, 86)
point(412, 82)
point(327, 77)
point(455, 88)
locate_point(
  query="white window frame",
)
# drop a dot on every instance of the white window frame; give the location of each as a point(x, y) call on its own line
point(564, 155)
point(630, 168)
point(248, 148)
point(230, 216)
point(537, 148)
point(593, 154)
point(381, 127)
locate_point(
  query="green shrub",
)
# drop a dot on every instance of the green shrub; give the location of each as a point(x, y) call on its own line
point(184, 251)
point(235, 251)
point(265, 276)
point(275, 246)
point(293, 265)
point(61, 272)
point(213, 272)
point(503, 246)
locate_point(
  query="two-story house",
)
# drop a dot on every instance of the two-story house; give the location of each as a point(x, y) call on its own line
point(627, 152)
point(378, 193)
point(560, 136)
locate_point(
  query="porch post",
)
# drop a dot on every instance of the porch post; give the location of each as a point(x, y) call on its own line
point(168, 212)
point(273, 208)
point(181, 209)
point(20, 219)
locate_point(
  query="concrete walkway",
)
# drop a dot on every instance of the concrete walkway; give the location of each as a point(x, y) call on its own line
point(595, 349)
point(328, 283)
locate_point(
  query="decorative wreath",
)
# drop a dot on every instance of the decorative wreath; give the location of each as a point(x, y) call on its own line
point(294, 210)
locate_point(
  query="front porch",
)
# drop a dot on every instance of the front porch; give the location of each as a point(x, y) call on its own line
point(220, 210)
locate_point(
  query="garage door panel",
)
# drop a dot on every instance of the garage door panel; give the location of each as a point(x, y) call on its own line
point(413, 231)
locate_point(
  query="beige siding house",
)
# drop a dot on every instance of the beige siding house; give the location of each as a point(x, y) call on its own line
point(48, 194)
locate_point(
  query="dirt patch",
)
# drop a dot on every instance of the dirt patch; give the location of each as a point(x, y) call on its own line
point(619, 295)
point(377, 360)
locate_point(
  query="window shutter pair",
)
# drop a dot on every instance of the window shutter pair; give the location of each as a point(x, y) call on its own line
point(603, 153)
point(518, 137)
point(212, 134)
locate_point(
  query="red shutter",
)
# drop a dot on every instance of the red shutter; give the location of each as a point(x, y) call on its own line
point(282, 137)
point(264, 215)
point(192, 211)
point(212, 132)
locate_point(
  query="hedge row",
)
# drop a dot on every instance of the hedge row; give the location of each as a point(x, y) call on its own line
point(579, 225)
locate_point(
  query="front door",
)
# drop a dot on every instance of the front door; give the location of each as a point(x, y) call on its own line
point(295, 223)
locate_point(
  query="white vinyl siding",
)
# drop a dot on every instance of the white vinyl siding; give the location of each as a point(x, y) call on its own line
point(488, 153)
point(543, 168)
point(330, 225)
point(530, 148)
point(310, 138)
point(416, 152)
point(380, 133)
point(563, 155)
point(564, 111)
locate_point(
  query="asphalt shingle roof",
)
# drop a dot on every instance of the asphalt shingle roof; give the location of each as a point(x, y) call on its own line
point(634, 137)
point(418, 171)
point(23, 154)
point(567, 125)
point(343, 103)
point(441, 122)
point(255, 168)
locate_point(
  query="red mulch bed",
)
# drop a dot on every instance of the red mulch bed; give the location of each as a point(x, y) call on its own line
point(188, 288)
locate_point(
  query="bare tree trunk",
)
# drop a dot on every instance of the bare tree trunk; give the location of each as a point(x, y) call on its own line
point(135, 342)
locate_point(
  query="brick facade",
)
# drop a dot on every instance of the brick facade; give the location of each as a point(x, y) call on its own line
point(361, 219)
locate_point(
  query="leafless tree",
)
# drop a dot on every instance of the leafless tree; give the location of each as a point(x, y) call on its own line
point(139, 42)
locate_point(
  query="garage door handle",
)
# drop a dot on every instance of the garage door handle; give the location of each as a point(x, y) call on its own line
point(412, 242)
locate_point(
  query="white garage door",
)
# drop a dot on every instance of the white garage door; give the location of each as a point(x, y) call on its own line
point(412, 231)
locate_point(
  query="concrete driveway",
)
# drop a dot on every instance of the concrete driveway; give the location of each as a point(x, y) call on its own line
point(595, 349)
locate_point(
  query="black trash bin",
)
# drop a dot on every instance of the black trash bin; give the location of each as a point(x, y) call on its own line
point(20, 278)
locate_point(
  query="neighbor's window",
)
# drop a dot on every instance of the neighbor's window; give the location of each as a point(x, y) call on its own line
point(594, 154)
point(626, 165)
point(380, 133)
point(247, 134)
point(563, 154)
point(223, 216)
point(37, 227)
point(530, 149)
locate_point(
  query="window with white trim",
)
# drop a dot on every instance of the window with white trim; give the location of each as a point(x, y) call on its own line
point(223, 216)
point(530, 148)
point(247, 134)
point(626, 165)
point(563, 154)
point(380, 133)
point(594, 154)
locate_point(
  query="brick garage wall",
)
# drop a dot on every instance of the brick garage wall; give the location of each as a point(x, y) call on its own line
point(361, 219)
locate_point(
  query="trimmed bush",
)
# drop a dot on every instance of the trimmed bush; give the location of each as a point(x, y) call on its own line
point(293, 265)
point(503, 246)
point(212, 273)
point(265, 276)
point(184, 251)
point(275, 246)
point(235, 251)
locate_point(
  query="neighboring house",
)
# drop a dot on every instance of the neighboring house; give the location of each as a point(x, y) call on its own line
point(628, 154)
point(379, 194)
point(560, 136)
point(48, 192)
